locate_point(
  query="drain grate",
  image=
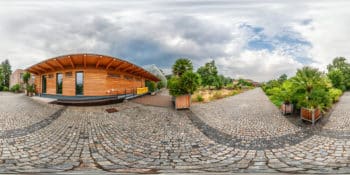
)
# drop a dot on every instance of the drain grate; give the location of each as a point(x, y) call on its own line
point(111, 110)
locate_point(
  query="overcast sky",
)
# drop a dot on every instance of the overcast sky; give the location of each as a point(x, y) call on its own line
point(246, 38)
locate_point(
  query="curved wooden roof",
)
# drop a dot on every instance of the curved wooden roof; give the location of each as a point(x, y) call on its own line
point(74, 61)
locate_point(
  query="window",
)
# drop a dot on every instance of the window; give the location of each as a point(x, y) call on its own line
point(79, 83)
point(59, 83)
point(43, 82)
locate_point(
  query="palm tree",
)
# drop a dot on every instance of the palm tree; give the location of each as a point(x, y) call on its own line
point(307, 81)
point(181, 66)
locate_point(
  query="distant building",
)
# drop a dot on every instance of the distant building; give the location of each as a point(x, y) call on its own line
point(17, 78)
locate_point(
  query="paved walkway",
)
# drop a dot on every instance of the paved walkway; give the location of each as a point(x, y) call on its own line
point(148, 139)
point(161, 99)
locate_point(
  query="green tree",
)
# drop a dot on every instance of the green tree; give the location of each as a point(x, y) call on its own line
point(337, 78)
point(6, 73)
point(1, 78)
point(282, 78)
point(209, 74)
point(340, 63)
point(181, 66)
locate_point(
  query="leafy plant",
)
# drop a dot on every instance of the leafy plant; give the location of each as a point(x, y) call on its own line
point(31, 88)
point(311, 87)
point(15, 88)
point(151, 85)
point(26, 77)
point(5, 88)
point(181, 66)
point(335, 94)
point(200, 98)
point(186, 84)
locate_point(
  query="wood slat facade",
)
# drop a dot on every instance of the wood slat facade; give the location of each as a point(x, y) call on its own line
point(102, 75)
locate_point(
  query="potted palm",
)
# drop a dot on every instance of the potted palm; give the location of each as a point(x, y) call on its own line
point(30, 90)
point(183, 83)
point(286, 94)
point(311, 91)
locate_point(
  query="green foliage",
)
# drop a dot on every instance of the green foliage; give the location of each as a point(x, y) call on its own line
point(26, 77)
point(15, 88)
point(200, 98)
point(339, 65)
point(31, 88)
point(243, 82)
point(181, 66)
point(337, 78)
point(6, 73)
point(184, 81)
point(209, 74)
point(5, 88)
point(151, 85)
point(186, 84)
point(311, 88)
point(160, 85)
point(282, 78)
point(335, 94)
point(190, 82)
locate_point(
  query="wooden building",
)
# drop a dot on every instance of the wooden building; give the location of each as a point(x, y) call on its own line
point(89, 75)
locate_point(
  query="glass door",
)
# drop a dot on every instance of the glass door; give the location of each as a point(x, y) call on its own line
point(43, 83)
point(59, 83)
point(79, 83)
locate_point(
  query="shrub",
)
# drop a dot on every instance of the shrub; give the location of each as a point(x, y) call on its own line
point(230, 86)
point(1, 88)
point(186, 84)
point(200, 98)
point(5, 88)
point(151, 86)
point(335, 94)
point(160, 85)
point(15, 88)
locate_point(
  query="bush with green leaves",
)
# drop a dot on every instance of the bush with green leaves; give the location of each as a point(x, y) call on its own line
point(200, 98)
point(186, 84)
point(335, 94)
point(15, 88)
point(309, 88)
point(151, 86)
point(5, 88)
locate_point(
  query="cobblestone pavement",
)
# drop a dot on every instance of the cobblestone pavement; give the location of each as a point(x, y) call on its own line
point(148, 139)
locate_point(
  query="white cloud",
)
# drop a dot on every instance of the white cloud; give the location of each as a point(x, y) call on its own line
point(259, 65)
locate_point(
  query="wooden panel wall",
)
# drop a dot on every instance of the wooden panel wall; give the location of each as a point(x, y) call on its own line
point(68, 83)
point(51, 83)
point(96, 82)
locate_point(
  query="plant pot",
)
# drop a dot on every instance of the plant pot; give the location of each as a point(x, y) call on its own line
point(287, 108)
point(311, 115)
point(30, 94)
point(183, 102)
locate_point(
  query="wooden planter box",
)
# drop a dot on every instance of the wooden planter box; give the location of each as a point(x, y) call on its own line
point(311, 115)
point(287, 108)
point(183, 102)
